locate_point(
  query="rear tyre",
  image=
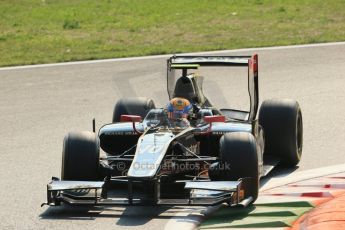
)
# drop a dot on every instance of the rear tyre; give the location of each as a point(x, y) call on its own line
point(80, 157)
point(283, 128)
point(132, 106)
point(238, 151)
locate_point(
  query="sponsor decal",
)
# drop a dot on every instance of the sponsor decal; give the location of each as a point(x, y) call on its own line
point(115, 133)
point(219, 133)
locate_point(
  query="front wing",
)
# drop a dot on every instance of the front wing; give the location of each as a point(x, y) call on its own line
point(96, 193)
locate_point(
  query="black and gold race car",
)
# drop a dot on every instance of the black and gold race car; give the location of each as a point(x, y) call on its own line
point(218, 158)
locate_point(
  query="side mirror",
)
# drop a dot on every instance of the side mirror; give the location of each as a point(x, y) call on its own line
point(130, 118)
point(211, 119)
point(133, 119)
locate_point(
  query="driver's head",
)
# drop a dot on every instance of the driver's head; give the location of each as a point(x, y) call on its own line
point(178, 108)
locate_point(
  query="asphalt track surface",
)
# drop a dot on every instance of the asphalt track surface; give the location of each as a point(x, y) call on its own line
point(38, 106)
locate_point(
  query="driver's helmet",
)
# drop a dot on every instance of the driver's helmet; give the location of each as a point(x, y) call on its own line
point(178, 108)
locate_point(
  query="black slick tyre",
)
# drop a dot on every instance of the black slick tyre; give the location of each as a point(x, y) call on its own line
point(282, 123)
point(238, 150)
point(80, 157)
point(132, 106)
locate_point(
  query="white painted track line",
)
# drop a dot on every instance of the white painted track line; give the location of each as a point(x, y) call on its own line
point(168, 55)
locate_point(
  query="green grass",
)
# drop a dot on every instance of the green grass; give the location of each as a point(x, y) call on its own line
point(44, 31)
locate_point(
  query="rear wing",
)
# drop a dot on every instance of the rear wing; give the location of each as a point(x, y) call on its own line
point(210, 60)
point(251, 62)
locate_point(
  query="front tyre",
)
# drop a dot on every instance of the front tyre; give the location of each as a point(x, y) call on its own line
point(238, 151)
point(283, 128)
point(80, 157)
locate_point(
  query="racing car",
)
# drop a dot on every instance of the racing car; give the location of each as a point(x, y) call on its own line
point(147, 160)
